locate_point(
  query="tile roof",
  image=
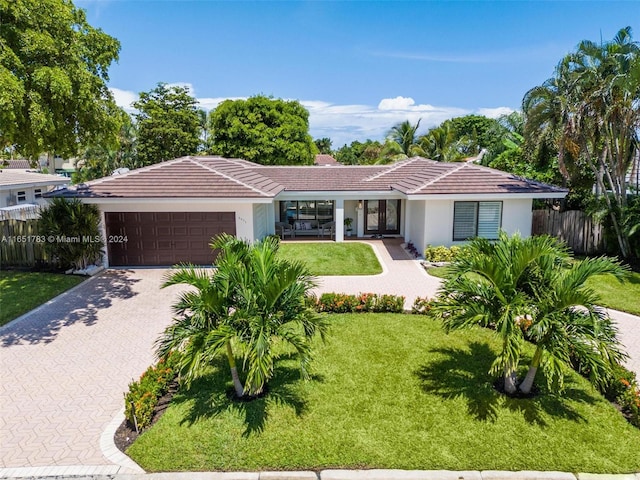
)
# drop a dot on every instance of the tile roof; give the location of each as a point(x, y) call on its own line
point(186, 177)
point(217, 177)
point(17, 178)
point(19, 164)
point(322, 159)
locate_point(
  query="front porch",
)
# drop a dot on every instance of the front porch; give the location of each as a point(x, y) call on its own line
point(339, 219)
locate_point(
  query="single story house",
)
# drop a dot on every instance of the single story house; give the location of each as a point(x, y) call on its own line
point(166, 213)
point(22, 187)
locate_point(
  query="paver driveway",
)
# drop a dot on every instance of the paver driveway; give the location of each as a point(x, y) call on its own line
point(64, 367)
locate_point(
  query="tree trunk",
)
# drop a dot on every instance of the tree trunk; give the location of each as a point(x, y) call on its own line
point(510, 380)
point(527, 384)
point(237, 385)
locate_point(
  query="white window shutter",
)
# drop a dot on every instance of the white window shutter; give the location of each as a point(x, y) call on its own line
point(489, 219)
point(464, 220)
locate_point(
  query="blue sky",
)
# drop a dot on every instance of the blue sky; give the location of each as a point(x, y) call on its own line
point(358, 66)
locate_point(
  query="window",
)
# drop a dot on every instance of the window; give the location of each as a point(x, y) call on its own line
point(321, 210)
point(476, 219)
point(21, 196)
point(37, 193)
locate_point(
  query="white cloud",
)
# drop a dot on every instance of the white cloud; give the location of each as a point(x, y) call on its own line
point(124, 99)
point(348, 122)
point(398, 103)
point(495, 112)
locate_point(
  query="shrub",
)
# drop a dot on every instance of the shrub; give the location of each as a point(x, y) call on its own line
point(421, 306)
point(75, 228)
point(629, 401)
point(616, 383)
point(388, 304)
point(142, 397)
point(364, 302)
point(337, 303)
point(441, 253)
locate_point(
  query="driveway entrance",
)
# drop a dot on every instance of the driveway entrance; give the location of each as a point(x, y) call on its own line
point(65, 366)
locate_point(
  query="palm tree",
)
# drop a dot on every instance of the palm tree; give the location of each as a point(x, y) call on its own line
point(589, 111)
point(270, 304)
point(252, 300)
point(567, 324)
point(527, 288)
point(441, 144)
point(404, 134)
point(489, 286)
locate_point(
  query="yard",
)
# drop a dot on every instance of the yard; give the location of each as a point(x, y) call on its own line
point(623, 296)
point(21, 292)
point(390, 391)
point(331, 258)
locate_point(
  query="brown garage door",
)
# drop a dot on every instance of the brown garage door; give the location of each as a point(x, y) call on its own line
point(164, 238)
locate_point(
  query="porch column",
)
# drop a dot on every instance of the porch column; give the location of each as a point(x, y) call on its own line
point(360, 222)
point(339, 220)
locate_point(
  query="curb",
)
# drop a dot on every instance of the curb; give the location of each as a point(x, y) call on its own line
point(107, 472)
point(112, 452)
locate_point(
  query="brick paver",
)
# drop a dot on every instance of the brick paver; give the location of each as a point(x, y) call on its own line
point(65, 366)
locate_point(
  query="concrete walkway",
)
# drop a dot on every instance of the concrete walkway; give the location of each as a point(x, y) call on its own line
point(65, 366)
point(401, 275)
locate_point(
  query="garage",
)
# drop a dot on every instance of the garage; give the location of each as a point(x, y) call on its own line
point(164, 238)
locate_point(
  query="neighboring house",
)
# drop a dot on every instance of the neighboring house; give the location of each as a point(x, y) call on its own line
point(324, 160)
point(18, 187)
point(15, 164)
point(166, 213)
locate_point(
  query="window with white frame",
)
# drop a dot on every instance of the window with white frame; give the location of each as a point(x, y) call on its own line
point(21, 196)
point(37, 193)
point(476, 219)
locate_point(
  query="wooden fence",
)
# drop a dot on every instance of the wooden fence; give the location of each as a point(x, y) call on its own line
point(580, 232)
point(20, 244)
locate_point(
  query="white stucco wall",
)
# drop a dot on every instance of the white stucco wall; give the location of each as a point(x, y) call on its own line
point(516, 217)
point(415, 218)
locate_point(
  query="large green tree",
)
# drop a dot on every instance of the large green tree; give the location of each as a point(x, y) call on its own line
point(590, 112)
point(102, 159)
point(323, 145)
point(53, 78)
point(251, 302)
point(168, 124)
point(263, 130)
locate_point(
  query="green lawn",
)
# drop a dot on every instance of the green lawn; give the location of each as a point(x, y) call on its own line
point(24, 291)
point(623, 296)
point(348, 258)
point(390, 391)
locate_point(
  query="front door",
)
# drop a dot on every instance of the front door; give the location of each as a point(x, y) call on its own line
point(382, 217)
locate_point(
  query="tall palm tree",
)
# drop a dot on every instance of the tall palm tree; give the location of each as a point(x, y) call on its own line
point(590, 110)
point(251, 301)
point(566, 322)
point(489, 286)
point(440, 144)
point(404, 134)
